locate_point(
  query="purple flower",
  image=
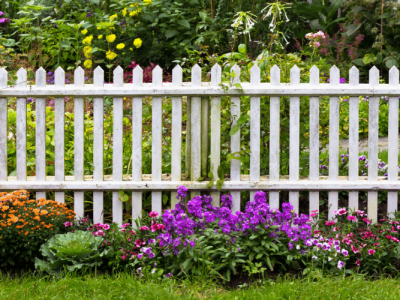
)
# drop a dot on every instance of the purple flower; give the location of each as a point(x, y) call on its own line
point(150, 241)
point(182, 191)
point(345, 252)
point(1, 13)
point(88, 15)
point(168, 275)
point(340, 264)
point(151, 255)
point(342, 80)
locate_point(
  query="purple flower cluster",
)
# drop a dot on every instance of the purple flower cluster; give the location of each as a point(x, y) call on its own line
point(199, 214)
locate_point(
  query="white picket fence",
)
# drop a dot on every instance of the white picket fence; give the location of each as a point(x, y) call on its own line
point(196, 91)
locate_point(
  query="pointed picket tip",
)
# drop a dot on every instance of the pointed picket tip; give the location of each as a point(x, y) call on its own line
point(59, 77)
point(196, 75)
point(216, 72)
point(40, 77)
point(275, 75)
point(21, 77)
point(98, 76)
point(79, 77)
point(236, 70)
point(354, 76)
point(157, 76)
point(374, 76)
point(177, 76)
point(255, 75)
point(294, 75)
point(137, 76)
point(334, 75)
point(3, 78)
point(314, 75)
point(394, 76)
point(118, 77)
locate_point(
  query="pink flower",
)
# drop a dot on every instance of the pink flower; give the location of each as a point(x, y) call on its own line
point(395, 239)
point(341, 211)
point(153, 214)
point(358, 262)
point(360, 212)
point(367, 221)
point(371, 251)
point(355, 250)
point(312, 215)
point(144, 228)
point(125, 225)
point(352, 218)
point(138, 243)
point(330, 223)
point(67, 224)
point(389, 237)
point(106, 226)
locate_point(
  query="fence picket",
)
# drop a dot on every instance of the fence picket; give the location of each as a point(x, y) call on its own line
point(353, 137)
point(98, 145)
point(59, 121)
point(118, 115)
point(156, 142)
point(137, 103)
point(3, 127)
point(274, 137)
point(393, 139)
point(195, 158)
point(176, 134)
point(294, 138)
point(255, 79)
point(21, 128)
point(373, 145)
point(79, 114)
point(215, 144)
point(40, 135)
point(235, 140)
point(333, 197)
point(314, 139)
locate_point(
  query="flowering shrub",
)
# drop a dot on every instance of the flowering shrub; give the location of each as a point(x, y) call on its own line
point(26, 224)
point(352, 242)
point(200, 237)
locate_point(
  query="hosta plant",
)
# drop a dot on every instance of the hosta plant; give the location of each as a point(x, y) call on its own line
point(71, 251)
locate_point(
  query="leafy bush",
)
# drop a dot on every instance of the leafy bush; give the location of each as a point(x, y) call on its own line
point(351, 242)
point(71, 251)
point(26, 224)
point(200, 237)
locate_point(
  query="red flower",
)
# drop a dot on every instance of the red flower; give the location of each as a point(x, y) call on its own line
point(355, 250)
point(330, 223)
point(389, 237)
point(371, 251)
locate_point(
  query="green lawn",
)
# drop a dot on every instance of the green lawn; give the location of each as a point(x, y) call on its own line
point(124, 287)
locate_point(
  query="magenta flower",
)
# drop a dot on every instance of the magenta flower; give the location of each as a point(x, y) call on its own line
point(352, 218)
point(358, 262)
point(341, 211)
point(371, 251)
point(1, 13)
point(340, 264)
point(105, 226)
point(153, 214)
point(330, 223)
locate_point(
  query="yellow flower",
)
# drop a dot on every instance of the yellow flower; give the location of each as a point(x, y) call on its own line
point(137, 43)
point(87, 64)
point(120, 46)
point(124, 11)
point(84, 31)
point(88, 40)
point(86, 51)
point(100, 37)
point(148, 2)
point(111, 38)
point(111, 55)
point(135, 12)
point(131, 49)
point(113, 17)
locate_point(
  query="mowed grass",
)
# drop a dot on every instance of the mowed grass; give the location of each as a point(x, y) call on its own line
point(123, 286)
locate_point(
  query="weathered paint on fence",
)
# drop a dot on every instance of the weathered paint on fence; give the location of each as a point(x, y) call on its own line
point(197, 93)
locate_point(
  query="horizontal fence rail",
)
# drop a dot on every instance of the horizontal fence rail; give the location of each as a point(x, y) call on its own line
point(203, 131)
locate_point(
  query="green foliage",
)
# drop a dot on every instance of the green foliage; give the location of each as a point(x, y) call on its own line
point(71, 251)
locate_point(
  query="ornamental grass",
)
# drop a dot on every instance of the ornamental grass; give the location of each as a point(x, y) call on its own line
point(25, 224)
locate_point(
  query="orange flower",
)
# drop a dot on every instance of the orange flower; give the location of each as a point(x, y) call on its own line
point(26, 232)
point(36, 218)
point(44, 212)
point(36, 211)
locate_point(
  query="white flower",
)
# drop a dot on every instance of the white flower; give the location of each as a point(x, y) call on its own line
point(298, 247)
point(10, 136)
point(153, 271)
point(329, 258)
